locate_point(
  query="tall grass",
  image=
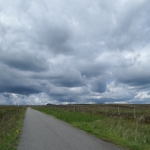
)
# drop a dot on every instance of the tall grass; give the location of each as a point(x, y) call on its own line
point(11, 121)
point(130, 134)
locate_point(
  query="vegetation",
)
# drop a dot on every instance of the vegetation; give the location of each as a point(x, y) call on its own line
point(132, 134)
point(11, 121)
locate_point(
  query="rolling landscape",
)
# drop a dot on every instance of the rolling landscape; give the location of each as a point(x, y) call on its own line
point(124, 125)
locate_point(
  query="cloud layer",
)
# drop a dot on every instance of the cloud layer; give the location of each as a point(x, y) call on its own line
point(83, 52)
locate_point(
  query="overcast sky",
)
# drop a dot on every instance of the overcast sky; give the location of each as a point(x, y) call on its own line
point(83, 51)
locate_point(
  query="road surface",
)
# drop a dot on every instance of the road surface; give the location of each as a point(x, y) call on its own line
point(44, 132)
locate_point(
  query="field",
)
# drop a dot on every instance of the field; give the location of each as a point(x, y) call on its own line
point(11, 121)
point(125, 125)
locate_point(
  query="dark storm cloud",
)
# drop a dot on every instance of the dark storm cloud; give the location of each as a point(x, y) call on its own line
point(6, 95)
point(133, 72)
point(69, 79)
point(99, 86)
point(67, 82)
point(90, 69)
point(139, 82)
point(67, 94)
point(14, 81)
point(62, 77)
point(20, 89)
point(54, 51)
point(25, 62)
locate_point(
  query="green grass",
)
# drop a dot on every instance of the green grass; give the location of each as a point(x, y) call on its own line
point(130, 134)
point(11, 122)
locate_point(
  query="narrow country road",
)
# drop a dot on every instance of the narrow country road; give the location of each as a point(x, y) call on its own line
point(44, 132)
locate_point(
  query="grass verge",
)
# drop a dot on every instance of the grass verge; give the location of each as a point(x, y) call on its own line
point(131, 135)
point(11, 122)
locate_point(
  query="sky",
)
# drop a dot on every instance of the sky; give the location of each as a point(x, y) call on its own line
point(57, 52)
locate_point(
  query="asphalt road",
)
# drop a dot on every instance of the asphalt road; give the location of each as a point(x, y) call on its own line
point(44, 132)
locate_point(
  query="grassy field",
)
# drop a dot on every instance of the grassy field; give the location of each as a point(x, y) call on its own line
point(11, 121)
point(132, 133)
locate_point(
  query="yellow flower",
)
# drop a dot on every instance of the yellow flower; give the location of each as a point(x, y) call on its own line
point(17, 131)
